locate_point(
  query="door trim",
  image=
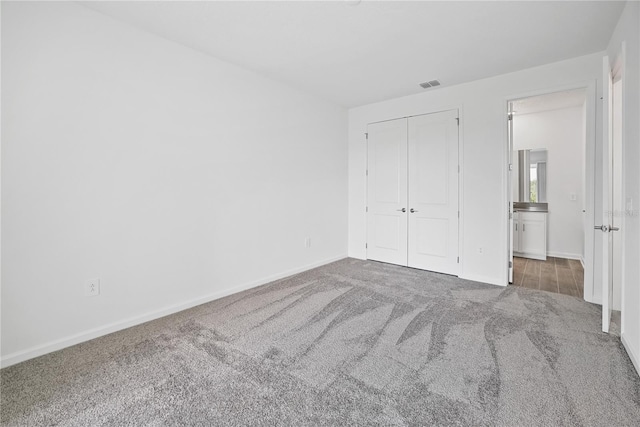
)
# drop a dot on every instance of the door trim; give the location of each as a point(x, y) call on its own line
point(607, 193)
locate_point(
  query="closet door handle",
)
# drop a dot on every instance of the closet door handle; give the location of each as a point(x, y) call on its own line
point(401, 210)
point(412, 210)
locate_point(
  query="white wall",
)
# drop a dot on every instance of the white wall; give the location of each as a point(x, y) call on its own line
point(484, 151)
point(628, 31)
point(561, 133)
point(170, 175)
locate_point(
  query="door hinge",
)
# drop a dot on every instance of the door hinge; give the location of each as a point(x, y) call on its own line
point(510, 116)
point(458, 121)
point(366, 135)
point(458, 214)
point(510, 166)
point(458, 260)
point(510, 215)
point(366, 208)
point(510, 264)
point(366, 246)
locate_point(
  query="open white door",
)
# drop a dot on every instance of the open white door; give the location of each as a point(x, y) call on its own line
point(387, 191)
point(510, 187)
point(607, 195)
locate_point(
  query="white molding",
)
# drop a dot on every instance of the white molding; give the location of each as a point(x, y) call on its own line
point(461, 125)
point(483, 279)
point(591, 117)
point(635, 357)
point(619, 73)
point(592, 299)
point(566, 255)
point(40, 350)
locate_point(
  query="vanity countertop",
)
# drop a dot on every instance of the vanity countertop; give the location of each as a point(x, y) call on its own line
point(531, 210)
point(530, 207)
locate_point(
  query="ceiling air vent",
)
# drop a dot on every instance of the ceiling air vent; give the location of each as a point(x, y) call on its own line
point(429, 84)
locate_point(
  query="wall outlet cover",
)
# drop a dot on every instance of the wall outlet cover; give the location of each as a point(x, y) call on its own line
point(92, 288)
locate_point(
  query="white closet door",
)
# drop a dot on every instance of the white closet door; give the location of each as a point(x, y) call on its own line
point(387, 192)
point(433, 192)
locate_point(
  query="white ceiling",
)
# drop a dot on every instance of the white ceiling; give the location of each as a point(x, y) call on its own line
point(551, 101)
point(354, 53)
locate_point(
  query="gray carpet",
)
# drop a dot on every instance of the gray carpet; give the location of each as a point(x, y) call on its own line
point(351, 343)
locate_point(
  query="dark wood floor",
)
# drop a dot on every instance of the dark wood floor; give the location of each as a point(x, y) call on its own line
point(559, 275)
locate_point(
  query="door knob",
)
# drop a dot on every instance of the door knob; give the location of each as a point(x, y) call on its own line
point(612, 228)
point(412, 210)
point(604, 228)
point(401, 210)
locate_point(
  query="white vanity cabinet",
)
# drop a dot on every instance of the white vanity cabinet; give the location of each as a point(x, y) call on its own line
point(530, 235)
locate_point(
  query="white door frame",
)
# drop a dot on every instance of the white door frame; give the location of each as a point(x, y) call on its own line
point(606, 161)
point(590, 149)
point(510, 232)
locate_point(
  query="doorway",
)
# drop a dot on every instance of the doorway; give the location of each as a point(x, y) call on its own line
point(548, 197)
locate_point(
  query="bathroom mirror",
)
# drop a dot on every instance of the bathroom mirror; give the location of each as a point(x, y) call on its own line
point(532, 176)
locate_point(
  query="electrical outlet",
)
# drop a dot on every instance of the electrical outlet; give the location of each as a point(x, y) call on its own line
point(92, 288)
point(307, 242)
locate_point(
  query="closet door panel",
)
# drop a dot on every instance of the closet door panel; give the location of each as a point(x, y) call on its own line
point(433, 192)
point(387, 231)
point(387, 191)
point(431, 236)
point(430, 164)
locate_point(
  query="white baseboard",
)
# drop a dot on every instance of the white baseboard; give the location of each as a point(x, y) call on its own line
point(634, 356)
point(30, 353)
point(483, 279)
point(565, 255)
point(593, 300)
point(531, 256)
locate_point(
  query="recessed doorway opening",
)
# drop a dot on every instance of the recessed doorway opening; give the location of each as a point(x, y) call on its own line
point(548, 194)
